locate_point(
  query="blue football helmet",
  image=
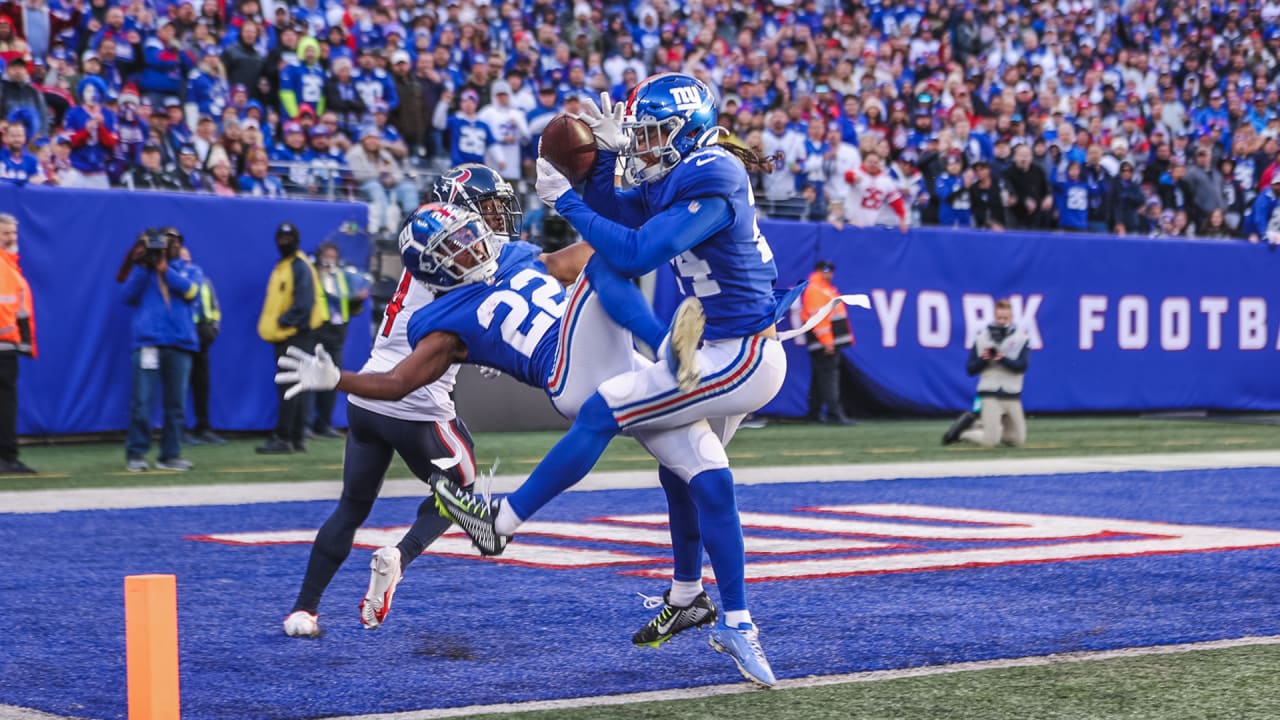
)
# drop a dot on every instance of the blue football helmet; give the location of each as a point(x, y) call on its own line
point(668, 116)
point(482, 190)
point(445, 246)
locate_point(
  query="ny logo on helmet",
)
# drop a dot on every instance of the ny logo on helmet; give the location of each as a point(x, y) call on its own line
point(687, 98)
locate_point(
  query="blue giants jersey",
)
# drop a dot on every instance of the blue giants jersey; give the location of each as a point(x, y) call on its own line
point(509, 323)
point(731, 272)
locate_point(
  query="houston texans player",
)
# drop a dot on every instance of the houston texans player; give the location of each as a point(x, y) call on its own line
point(422, 427)
point(691, 206)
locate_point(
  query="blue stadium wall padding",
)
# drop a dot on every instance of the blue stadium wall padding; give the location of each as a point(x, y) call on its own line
point(72, 242)
point(1122, 324)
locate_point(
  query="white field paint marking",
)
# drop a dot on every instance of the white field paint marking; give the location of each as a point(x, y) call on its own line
point(10, 712)
point(819, 681)
point(43, 501)
point(1021, 539)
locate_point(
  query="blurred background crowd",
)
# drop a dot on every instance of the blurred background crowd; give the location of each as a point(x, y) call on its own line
point(1134, 117)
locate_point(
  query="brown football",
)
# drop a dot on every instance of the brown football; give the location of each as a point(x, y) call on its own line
point(568, 144)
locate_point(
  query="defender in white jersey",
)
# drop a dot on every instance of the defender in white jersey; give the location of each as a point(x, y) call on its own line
point(421, 427)
point(424, 431)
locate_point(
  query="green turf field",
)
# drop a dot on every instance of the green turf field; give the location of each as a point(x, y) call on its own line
point(102, 464)
point(1228, 684)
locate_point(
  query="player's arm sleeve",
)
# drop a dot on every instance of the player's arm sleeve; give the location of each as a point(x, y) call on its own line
point(601, 195)
point(634, 252)
point(430, 358)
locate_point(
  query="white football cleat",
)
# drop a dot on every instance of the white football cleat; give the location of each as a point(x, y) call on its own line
point(384, 576)
point(302, 624)
point(683, 339)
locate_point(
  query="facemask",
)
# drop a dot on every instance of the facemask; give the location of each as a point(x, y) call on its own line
point(287, 247)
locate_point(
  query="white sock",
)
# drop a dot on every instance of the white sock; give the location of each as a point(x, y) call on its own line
point(507, 521)
point(684, 592)
point(734, 618)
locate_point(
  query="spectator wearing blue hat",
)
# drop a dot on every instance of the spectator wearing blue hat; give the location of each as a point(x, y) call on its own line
point(93, 136)
point(469, 136)
point(188, 175)
point(326, 163)
point(290, 158)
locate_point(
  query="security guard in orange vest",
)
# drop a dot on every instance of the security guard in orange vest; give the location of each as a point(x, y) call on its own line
point(824, 343)
point(17, 337)
point(294, 307)
point(345, 293)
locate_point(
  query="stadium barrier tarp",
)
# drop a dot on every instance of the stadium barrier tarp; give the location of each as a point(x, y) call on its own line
point(72, 243)
point(1117, 324)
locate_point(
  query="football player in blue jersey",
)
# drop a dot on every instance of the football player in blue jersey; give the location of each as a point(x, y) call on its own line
point(691, 206)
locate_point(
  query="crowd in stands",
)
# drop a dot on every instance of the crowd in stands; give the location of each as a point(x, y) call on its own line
point(1134, 117)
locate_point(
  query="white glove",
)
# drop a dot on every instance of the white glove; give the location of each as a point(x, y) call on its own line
point(306, 373)
point(551, 182)
point(489, 373)
point(606, 125)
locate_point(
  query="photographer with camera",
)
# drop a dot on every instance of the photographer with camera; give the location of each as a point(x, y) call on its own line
point(999, 358)
point(157, 286)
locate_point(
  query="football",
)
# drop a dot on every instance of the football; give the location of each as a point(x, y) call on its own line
point(568, 144)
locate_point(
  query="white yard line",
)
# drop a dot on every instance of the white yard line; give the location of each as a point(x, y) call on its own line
point(815, 681)
point(43, 501)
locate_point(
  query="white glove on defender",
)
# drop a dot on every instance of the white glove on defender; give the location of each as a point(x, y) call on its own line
point(306, 372)
point(551, 182)
point(605, 124)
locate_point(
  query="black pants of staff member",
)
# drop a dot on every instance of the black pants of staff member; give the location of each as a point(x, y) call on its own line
point(200, 389)
point(824, 387)
point(291, 415)
point(8, 406)
point(332, 337)
point(371, 443)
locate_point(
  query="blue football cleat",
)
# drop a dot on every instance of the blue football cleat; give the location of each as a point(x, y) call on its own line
point(743, 645)
point(682, 343)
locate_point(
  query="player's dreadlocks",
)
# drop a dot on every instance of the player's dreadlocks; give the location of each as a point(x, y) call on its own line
point(754, 161)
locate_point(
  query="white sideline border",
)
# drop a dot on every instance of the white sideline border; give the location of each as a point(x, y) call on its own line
point(47, 501)
point(814, 681)
point(10, 712)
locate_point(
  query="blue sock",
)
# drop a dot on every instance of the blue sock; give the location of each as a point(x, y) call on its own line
point(712, 492)
point(686, 538)
point(569, 460)
point(624, 303)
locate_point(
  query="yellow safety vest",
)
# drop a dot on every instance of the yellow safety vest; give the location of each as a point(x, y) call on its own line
point(210, 312)
point(280, 298)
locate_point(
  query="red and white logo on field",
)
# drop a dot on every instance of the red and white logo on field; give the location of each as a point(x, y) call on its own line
point(831, 541)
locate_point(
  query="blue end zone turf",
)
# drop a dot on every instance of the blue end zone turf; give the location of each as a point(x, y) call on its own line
point(466, 631)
